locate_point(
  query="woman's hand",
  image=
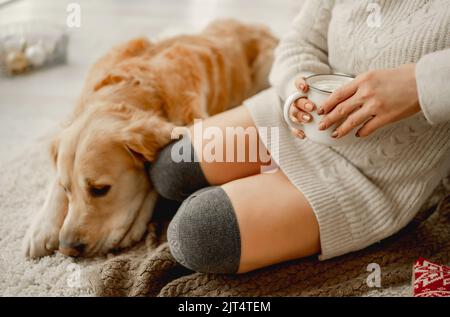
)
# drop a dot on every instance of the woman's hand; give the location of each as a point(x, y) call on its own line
point(299, 111)
point(375, 99)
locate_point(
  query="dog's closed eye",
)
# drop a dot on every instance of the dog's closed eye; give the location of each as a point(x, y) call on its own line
point(99, 191)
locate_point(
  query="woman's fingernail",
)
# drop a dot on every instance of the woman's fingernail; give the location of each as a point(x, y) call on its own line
point(320, 111)
point(295, 120)
point(298, 133)
point(335, 134)
point(302, 87)
point(301, 135)
point(309, 107)
point(322, 126)
point(306, 117)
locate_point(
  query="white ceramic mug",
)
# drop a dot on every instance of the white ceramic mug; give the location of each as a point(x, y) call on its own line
point(320, 88)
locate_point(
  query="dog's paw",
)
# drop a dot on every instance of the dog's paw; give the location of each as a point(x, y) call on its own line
point(41, 239)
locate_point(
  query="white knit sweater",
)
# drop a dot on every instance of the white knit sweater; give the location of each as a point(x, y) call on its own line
point(367, 191)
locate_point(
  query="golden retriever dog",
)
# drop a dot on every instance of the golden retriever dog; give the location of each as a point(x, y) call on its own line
point(100, 198)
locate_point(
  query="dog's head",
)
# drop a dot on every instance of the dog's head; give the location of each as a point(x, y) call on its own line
point(100, 163)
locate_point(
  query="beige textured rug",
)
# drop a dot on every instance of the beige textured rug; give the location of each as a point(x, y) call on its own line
point(148, 269)
point(23, 182)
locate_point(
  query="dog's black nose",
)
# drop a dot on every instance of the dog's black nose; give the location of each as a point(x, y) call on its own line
point(74, 249)
point(79, 247)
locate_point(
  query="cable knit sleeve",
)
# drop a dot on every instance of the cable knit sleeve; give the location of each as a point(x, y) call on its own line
point(304, 49)
point(433, 76)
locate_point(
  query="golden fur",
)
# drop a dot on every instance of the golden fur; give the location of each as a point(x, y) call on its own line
point(132, 99)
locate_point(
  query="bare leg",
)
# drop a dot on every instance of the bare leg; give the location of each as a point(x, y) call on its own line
point(275, 220)
point(218, 173)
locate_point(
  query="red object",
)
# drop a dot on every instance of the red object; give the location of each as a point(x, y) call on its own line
point(431, 279)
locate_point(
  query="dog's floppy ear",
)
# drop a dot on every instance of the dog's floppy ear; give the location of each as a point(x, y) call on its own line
point(146, 133)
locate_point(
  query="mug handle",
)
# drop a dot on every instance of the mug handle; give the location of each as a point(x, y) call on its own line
point(287, 105)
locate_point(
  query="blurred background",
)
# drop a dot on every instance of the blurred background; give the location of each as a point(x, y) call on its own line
point(32, 104)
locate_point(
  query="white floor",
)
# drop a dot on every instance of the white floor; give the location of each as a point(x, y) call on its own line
point(30, 105)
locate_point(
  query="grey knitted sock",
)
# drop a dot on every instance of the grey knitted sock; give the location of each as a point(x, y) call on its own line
point(204, 234)
point(173, 180)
